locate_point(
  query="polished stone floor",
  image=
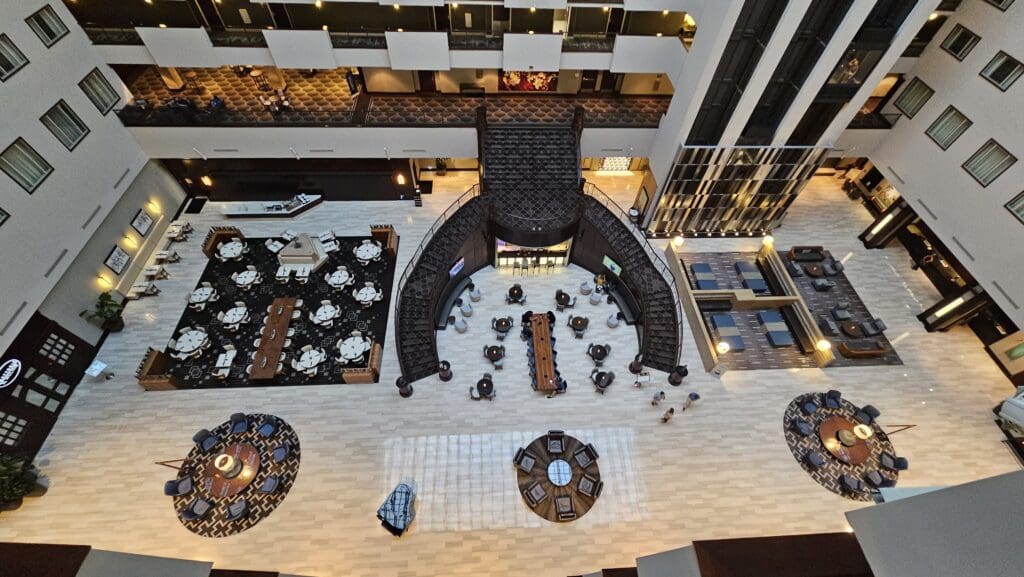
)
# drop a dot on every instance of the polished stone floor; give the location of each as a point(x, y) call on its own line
point(721, 469)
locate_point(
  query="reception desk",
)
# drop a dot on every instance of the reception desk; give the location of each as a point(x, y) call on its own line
point(271, 209)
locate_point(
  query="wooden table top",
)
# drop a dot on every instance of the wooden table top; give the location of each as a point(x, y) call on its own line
point(218, 486)
point(539, 449)
point(828, 431)
point(544, 358)
point(270, 348)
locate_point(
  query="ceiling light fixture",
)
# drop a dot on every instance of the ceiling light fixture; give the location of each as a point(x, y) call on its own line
point(163, 25)
point(318, 3)
point(395, 6)
point(605, 8)
point(533, 8)
point(664, 12)
point(206, 180)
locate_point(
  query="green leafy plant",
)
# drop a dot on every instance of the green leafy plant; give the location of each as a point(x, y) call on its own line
point(441, 166)
point(18, 478)
point(108, 311)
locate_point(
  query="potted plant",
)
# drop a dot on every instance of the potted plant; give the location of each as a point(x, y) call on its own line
point(18, 479)
point(108, 311)
point(441, 166)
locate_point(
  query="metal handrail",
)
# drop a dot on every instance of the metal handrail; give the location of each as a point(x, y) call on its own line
point(471, 193)
point(599, 195)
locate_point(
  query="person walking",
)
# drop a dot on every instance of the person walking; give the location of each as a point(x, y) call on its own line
point(690, 399)
point(668, 415)
point(658, 398)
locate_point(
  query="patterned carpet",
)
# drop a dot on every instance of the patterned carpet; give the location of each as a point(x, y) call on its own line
point(325, 98)
point(821, 303)
point(828, 475)
point(198, 373)
point(261, 504)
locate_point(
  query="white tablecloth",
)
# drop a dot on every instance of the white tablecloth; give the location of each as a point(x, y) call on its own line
point(367, 251)
point(235, 315)
point(201, 294)
point(339, 278)
point(366, 294)
point(310, 359)
point(191, 341)
point(353, 348)
point(246, 278)
point(232, 249)
point(326, 313)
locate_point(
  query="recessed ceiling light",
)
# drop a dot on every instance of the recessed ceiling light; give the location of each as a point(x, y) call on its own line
point(605, 8)
point(318, 3)
point(664, 12)
point(325, 27)
point(533, 8)
point(163, 25)
point(658, 34)
point(531, 32)
point(933, 15)
point(395, 6)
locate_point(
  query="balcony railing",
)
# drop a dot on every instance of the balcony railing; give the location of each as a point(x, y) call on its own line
point(114, 36)
point(358, 40)
point(239, 37)
point(874, 120)
point(464, 40)
point(588, 43)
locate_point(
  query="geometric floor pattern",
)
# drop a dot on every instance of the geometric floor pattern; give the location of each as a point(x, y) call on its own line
point(372, 321)
point(828, 474)
point(261, 504)
point(722, 469)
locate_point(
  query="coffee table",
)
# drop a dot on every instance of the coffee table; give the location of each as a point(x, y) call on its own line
point(828, 432)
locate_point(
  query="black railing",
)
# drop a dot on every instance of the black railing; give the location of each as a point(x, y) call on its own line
point(114, 36)
point(365, 39)
point(588, 43)
point(238, 37)
point(874, 120)
point(466, 40)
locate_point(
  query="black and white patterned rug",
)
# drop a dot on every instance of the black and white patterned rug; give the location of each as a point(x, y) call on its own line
point(198, 373)
point(828, 475)
point(215, 524)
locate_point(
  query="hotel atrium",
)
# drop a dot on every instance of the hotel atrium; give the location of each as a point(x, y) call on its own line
point(565, 288)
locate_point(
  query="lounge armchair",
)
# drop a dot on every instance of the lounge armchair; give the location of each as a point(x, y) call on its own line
point(555, 442)
point(239, 423)
point(237, 510)
point(802, 427)
point(205, 440)
point(875, 479)
point(268, 427)
point(822, 285)
point(851, 484)
point(524, 460)
point(809, 407)
point(833, 399)
point(271, 484)
point(862, 349)
point(828, 326)
point(833, 268)
point(564, 508)
point(814, 460)
point(178, 487)
point(535, 494)
point(589, 486)
point(281, 452)
point(197, 509)
point(867, 414)
point(893, 463)
point(586, 455)
point(873, 328)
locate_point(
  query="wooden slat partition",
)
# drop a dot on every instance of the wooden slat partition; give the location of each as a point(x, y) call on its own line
point(773, 264)
point(703, 340)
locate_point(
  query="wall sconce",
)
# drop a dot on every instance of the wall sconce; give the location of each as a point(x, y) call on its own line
point(130, 242)
point(678, 241)
point(319, 3)
point(206, 180)
point(104, 282)
point(400, 179)
point(153, 207)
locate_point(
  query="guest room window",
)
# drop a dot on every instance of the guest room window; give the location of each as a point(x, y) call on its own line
point(11, 59)
point(99, 91)
point(1000, 4)
point(1016, 206)
point(960, 42)
point(913, 97)
point(989, 162)
point(1003, 70)
point(948, 127)
point(22, 163)
point(47, 26)
point(65, 125)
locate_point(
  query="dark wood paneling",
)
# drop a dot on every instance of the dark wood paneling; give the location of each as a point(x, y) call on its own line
point(818, 555)
point(39, 560)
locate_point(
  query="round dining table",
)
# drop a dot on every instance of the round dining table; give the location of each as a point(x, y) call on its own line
point(219, 484)
point(515, 293)
point(503, 325)
point(246, 278)
point(231, 249)
point(494, 353)
point(368, 251)
point(367, 294)
point(837, 435)
point(580, 323)
point(235, 315)
point(353, 348)
point(202, 294)
point(485, 387)
point(340, 278)
point(325, 313)
point(310, 359)
point(190, 341)
point(563, 298)
point(599, 352)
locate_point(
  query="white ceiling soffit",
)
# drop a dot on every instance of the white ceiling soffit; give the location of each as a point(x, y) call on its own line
point(301, 48)
point(418, 50)
point(537, 52)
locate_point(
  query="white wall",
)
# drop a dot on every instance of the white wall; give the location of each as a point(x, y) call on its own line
point(965, 211)
point(47, 229)
point(154, 190)
point(388, 80)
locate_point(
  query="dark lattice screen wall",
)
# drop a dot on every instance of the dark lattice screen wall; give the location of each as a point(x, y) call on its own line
point(732, 190)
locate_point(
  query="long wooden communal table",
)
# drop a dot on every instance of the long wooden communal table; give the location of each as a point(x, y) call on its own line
point(543, 354)
point(264, 364)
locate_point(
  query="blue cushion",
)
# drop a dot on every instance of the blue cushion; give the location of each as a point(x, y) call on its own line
point(780, 338)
